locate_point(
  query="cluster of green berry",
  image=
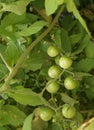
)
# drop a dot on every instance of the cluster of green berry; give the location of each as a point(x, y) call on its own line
point(63, 62)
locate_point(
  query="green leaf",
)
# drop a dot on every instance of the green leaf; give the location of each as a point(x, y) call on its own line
point(32, 29)
point(28, 122)
point(27, 97)
point(89, 87)
point(57, 37)
point(11, 115)
point(38, 4)
point(13, 19)
point(75, 38)
point(89, 50)
point(3, 70)
point(7, 33)
point(37, 59)
point(52, 5)
point(66, 44)
point(72, 8)
point(83, 44)
point(18, 7)
point(84, 65)
point(12, 53)
point(68, 99)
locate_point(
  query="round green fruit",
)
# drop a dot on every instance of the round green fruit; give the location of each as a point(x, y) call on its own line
point(68, 111)
point(57, 59)
point(52, 51)
point(54, 71)
point(65, 62)
point(70, 83)
point(52, 86)
point(46, 113)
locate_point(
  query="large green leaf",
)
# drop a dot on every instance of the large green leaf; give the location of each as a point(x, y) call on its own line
point(11, 115)
point(32, 29)
point(52, 5)
point(27, 97)
point(18, 7)
point(28, 122)
point(72, 8)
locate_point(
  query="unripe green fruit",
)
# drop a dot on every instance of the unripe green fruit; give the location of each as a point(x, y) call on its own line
point(70, 83)
point(52, 51)
point(46, 113)
point(57, 60)
point(54, 71)
point(68, 111)
point(52, 86)
point(65, 62)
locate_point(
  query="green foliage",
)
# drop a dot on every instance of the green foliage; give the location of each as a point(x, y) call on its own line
point(27, 29)
point(18, 7)
point(11, 115)
point(27, 97)
point(34, 28)
point(27, 123)
point(51, 9)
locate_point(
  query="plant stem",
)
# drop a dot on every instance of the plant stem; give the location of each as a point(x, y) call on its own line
point(5, 87)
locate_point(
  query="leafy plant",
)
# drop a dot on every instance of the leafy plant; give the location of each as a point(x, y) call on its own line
point(46, 65)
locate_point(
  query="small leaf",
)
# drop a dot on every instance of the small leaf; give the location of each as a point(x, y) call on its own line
point(27, 97)
point(32, 29)
point(28, 122)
